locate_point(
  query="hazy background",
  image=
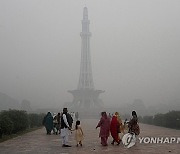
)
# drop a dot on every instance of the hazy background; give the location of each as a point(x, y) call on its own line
point(135, 50)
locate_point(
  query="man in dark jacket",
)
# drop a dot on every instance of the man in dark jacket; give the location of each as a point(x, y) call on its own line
point(65, 127)
point(69, 119)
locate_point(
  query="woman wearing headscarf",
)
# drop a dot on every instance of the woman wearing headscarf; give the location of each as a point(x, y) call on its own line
point(104, 125)
point(133, 124)
point(115, 129)
point(48, 123)
point(121, 126)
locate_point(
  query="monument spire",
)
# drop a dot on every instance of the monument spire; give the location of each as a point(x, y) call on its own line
point(85, 77)
point(85, 96)
point(85, 13)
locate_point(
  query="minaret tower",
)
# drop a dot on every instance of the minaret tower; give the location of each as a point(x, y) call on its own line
point(85, 78)
point(85, 96)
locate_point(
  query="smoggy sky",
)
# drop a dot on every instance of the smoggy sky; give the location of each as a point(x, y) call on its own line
point(135, 49)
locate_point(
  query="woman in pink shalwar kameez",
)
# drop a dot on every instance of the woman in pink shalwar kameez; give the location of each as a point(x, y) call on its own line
point(104, 125)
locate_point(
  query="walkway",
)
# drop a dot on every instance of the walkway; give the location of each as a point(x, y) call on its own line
point(38, 142)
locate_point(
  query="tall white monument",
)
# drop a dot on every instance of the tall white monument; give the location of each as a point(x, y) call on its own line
point(85, 96)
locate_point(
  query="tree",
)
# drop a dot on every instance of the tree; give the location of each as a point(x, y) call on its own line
point(26, 105)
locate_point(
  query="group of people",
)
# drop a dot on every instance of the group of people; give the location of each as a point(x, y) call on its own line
point(114, 126)
point(66, 127)
point(62, 124)
point(108, 125)
point(53, 122)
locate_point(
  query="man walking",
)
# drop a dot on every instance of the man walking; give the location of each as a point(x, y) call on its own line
point(65, 127)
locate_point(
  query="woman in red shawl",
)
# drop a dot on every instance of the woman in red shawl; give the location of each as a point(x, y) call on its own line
point(115, 128)
point(104, 125)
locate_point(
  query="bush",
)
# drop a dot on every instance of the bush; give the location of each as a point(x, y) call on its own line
point(148, 120)
point(159, 120)
point(6, 125)
point(14, 121)
point(19, 119)
point(35, 120)
point(140, 119)
point(172, 119)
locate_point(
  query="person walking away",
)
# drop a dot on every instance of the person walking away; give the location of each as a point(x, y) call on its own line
point(126, 128)
point(78, 133)
point(115, 128)
point(55, 125)
point(58, 122)
point(65, 128)
point(133, 124)
point(48, 123)
point(104, 125)
point(110, 116)
point(121, 126)
point(134, 130)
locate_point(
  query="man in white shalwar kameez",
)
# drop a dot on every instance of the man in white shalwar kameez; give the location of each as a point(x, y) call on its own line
point(65, 128)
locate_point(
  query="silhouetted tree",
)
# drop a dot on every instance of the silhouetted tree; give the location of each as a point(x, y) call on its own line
point(26, 105)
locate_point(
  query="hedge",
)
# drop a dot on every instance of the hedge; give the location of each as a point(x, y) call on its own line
point(169, 120)
point(14, 121)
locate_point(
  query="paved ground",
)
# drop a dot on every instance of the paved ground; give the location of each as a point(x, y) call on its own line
point(40, 143)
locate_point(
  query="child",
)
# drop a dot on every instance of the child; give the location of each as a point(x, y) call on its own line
point(78, 133)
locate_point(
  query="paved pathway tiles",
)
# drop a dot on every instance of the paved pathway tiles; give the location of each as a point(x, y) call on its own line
point(38, 142)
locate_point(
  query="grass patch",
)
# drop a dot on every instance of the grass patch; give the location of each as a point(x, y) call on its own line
point(7, 137)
